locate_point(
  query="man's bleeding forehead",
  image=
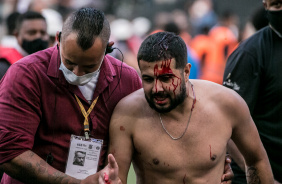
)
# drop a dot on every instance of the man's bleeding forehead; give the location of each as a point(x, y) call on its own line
point(164, 68)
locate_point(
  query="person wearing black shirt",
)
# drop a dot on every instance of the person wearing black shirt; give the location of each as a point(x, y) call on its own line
point(254, 71)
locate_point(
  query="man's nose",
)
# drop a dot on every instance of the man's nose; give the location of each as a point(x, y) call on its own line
point(158, 86)
point(77, 71)
point(38, 35)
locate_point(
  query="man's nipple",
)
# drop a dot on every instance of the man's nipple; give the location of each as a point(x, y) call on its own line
point(156, 161)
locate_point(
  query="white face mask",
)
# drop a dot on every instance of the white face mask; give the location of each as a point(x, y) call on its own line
point(78, 80)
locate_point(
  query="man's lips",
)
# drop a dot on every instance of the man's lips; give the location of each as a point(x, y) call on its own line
point(160, 100)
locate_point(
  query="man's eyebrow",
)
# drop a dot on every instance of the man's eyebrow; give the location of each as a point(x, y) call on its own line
point(69, 61)
point(166, 75)
point(144, 75)
point(90, 66)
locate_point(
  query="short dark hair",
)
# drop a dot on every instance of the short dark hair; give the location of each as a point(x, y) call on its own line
point(88, 23)
point(163, 46)
point(11, 21)
point(29, 15)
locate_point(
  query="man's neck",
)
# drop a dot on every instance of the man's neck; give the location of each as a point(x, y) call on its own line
point(186, 106)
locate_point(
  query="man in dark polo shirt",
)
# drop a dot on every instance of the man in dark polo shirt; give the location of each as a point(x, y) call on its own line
point(43, 99)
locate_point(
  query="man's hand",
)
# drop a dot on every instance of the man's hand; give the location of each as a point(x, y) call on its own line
point(109, 175)
point(228, 173)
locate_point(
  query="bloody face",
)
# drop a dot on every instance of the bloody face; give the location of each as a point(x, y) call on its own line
point(164, 86)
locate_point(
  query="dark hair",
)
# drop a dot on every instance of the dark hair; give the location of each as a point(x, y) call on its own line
point(163, 46)
point(11, 22)
point(89, 24)
point(29, 15)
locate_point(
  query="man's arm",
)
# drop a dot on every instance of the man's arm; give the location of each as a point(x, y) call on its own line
point(121, 145)
point(246, 138)
point(30, 168)
point(236, 155)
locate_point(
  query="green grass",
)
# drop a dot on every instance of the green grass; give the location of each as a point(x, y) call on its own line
point(131, 178)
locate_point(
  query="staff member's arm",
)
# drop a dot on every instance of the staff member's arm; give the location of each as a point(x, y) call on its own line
point(30, 168)
point(246, 138)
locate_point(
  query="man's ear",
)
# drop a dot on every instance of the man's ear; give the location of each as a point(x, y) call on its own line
point(58, 37)
point(16, 34)
point(187, 70)
point(111, 43)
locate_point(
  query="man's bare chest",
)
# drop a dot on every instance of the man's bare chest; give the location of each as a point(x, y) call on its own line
point(202, 147)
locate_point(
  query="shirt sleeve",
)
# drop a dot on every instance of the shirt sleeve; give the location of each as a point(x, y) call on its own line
point(242, 74)
point(20, 111)
point(138, 83)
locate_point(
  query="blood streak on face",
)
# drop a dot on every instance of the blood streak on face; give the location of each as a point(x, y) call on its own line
point(166, 70)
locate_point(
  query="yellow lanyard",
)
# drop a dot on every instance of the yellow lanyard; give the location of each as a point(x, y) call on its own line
point(86, 114)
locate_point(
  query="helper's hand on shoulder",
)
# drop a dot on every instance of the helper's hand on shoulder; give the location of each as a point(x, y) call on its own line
point(228, 173)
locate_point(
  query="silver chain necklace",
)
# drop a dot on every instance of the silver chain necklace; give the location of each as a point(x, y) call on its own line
point(176, 138)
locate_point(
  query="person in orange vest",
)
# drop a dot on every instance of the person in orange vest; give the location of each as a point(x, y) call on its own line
point(214, 46)
point(202, 45)
point(31, 35)
point(224, 44)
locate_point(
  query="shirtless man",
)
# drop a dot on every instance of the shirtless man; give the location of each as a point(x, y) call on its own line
point(178, 131)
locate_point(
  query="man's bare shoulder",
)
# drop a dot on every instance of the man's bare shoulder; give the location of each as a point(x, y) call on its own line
point(215, 92)
point(221, 97)
point(129, 109)
point(133, 102)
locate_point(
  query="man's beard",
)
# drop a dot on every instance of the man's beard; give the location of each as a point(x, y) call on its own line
point(174, 102)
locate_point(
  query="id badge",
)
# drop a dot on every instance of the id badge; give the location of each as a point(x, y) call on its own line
point(83, 158)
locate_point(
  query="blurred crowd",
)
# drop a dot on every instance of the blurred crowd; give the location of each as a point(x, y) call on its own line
point(210, 37)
